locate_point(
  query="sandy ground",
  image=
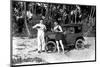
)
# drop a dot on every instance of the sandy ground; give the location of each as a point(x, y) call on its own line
point(26, 48)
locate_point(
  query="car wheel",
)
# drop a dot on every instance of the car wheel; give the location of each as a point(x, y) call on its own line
point(50, 47)
point(79, 44)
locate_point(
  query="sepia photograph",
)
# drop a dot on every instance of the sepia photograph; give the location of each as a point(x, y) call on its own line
point(52, 33)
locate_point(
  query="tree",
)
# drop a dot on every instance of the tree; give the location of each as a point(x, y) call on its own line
point(25, 21)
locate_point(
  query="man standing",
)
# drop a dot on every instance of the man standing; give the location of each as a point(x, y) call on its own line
point(40, 36)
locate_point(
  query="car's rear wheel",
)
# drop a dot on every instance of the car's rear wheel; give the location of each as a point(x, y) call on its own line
point(79, 44)
point(50, 47)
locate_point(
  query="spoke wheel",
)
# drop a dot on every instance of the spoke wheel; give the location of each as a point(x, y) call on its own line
point(50, 47)
point(79, 44)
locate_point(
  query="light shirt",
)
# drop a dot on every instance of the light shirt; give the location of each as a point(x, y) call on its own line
point(40, 28)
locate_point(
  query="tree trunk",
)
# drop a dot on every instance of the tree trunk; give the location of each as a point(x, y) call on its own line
point(25, 21)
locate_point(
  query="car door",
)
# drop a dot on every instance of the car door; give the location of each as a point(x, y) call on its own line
point(70, 35)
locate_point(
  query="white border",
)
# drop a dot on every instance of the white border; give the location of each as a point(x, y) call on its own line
point(5, 33)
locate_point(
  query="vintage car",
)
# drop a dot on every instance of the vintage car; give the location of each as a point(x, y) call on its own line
point(72, 38)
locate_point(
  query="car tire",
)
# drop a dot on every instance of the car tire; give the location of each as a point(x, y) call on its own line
point(79, 44)
point(50, 47)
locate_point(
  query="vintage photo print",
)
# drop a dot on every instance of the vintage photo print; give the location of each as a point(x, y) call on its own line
point(52, 33)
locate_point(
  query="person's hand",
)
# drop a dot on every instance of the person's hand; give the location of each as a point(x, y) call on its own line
point(38, 27)
point(52, 30)
point(57, 31)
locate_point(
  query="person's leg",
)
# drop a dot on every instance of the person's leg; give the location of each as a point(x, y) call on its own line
point(39, 44)
point(43, 42)
point(61, 45)
point(57, 46)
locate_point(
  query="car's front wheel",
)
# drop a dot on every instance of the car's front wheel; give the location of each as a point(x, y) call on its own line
point(50, 47)
point(79, 44)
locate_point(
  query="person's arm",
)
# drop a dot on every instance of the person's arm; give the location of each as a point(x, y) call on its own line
point(60, 28)
point(34, 26)
point(45, 27)
point(52, 29)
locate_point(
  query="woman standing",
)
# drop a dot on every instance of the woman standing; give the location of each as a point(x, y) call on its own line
point(59, 36)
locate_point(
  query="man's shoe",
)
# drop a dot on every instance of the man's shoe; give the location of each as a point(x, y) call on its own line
point(39, 51)
point(43, 50)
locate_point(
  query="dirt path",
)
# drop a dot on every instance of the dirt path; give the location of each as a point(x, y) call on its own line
point(26, 48)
